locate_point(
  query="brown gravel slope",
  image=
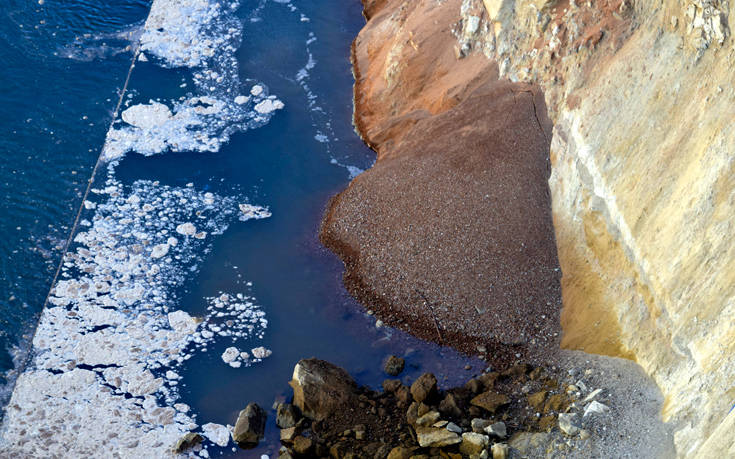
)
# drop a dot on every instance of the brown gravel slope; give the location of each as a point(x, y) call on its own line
point(449, 235)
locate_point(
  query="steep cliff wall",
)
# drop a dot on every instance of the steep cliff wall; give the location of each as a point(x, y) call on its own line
point(643, 185)
point(642, 154)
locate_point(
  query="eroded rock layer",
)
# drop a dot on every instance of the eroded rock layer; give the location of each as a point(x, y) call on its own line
point(450, 233)
point(642, 183)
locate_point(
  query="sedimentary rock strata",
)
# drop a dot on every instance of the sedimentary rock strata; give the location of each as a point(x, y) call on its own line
point(642, 184)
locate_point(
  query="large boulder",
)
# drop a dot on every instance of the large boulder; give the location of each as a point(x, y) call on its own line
point(250, 426)
point(320, 388)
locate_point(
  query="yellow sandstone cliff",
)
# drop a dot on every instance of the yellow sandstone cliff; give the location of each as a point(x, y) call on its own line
point(642, 98)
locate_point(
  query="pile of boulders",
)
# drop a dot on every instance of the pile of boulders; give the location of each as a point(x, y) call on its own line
point(521, 411)
point(332, 417)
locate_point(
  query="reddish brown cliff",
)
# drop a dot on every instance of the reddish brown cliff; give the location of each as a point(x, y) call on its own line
point(450, 234)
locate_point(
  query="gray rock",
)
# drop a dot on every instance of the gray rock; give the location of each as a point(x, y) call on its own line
point(250, 426)
point(452, 427)
point(530, 444)
point(497, 429)
point(479, 425)
point(569, 423)
point(595, 408)
point(186, 442)
point(424, 387)
point(286, 415)
point(436, 437)
point(394, 365)
point(320, 388)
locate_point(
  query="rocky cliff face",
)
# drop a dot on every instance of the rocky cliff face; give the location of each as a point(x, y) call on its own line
point(642, 156)
point(643, 186)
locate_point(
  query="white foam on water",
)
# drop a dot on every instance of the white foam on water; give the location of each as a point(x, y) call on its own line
point(202, 35)
point(107, 349)
point(105, 373)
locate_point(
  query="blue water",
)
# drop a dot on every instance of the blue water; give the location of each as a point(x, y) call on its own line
point(54, 112)
point(74, 64)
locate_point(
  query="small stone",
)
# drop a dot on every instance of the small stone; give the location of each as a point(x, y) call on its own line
point(286, 415)
point(497, 429)
point(473, 443)
point(474, 385)
point(488, 380)
point(555, 402)
point(436, 437)
point(394, 365)
point(412, 414)
point(391, 385)
point(452, 427)
point(593, 395)
point(450, 407)
point(424, 387)
point(399, 452)
point(250, 426)
point(517, 371)
point(403, 395)
point(490, 401)
point(595, 408)
point(479, 425)
point(584, 434)
point(428, 419)
point(302, 445)
point(500, 451)
point(536, 401)
point(287, 435)
point(546, 423)
point(186, 442)
point(568, 423)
